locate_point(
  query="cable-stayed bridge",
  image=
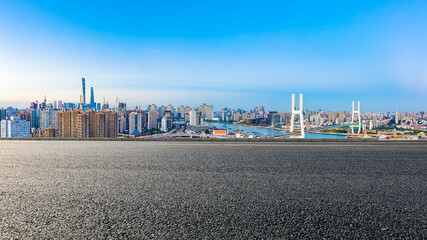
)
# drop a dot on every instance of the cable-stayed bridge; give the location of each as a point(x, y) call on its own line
point(299, 112)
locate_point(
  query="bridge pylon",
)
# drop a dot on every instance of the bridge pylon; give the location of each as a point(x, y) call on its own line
point(359, 118)
point(297, 112)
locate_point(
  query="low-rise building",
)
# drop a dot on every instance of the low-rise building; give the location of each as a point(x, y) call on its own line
point(220, 132)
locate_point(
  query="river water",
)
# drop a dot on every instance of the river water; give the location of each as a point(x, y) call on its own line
point(263, 132)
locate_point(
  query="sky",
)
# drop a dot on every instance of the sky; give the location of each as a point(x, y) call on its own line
point(237, 54)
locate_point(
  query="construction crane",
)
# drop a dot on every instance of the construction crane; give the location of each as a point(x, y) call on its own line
point(118, 101)
point(104, 102)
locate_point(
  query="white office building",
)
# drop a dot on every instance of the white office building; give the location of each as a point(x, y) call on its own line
point(164, 126)
point(135, 122)
point(209, 112)
point(15, 128)
point(193, 118)
point(132, 122)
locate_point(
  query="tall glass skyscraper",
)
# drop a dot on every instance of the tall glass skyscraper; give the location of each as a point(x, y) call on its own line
point(83, 95)
point(92, 99)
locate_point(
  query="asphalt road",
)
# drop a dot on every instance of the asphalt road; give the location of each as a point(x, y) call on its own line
point(190, 190)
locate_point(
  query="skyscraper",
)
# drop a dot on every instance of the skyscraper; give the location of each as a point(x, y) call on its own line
point(164, 126)
point(135, 122)
point(152, 119)
point(132, 122)
point(92, 99)
point(83, 95)
point(2, 114)
point(34, 118)
point(209, 112)
point(142, 121)
point(193, 118)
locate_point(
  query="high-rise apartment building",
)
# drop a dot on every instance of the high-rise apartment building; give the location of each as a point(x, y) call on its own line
point(63, 123)
point(67, 124)
point(144, 120)
point(236, 116)
point(152, 119)
point(341, 116)
point(206, 111)
point(50, 132)
point(2, 114)
point(140, 121)
point(164, 124)
point(193, 118)
point(79, 124)
point(275, 119)
point(110, 124)
point(331, 116)
point(48, 118)
point(132, 122)
point(121, 124)
point(35, 117)
point(73, 122)
point(15, 128)
point(161, 111)
point(135, 122)
point(181, 112)
point(82, 125)
point(97, 125)
point(209, 112)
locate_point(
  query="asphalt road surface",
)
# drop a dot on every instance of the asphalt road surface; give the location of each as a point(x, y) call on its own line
point(190, 190)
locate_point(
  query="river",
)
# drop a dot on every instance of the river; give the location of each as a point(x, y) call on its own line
point(262, 131)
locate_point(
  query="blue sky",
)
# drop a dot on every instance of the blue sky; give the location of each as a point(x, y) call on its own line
point(226, 53)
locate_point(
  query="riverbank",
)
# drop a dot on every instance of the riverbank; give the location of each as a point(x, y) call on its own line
point(186, 139)
point(265, 131)
point(257, 126)
point(250, 130)
point(330, 133)
point(247, 125)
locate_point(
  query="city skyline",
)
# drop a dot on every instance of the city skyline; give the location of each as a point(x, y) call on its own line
point(113, 102)
point(191, 53)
